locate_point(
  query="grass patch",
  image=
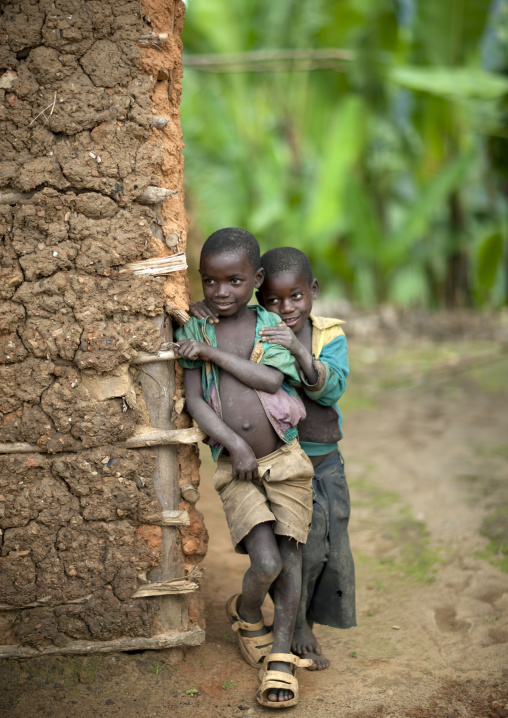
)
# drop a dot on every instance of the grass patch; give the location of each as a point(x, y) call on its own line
point(418, 557)
point(369, 494)
point(355, 400)
point(415, 559)
point(493, 377)
point(495, 528)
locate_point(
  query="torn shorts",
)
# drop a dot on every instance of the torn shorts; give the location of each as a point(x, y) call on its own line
point(282, 495)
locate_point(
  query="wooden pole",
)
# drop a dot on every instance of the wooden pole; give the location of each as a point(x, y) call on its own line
point(158, 384)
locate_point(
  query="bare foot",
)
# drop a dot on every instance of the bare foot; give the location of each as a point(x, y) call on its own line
point(305, 645)
point(280, 695)
point(304, 641)
point(319, 663)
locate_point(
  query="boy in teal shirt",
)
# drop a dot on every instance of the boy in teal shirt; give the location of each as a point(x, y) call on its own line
point(236, 390)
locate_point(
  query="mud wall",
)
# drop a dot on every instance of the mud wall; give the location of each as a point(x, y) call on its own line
point(89, 119)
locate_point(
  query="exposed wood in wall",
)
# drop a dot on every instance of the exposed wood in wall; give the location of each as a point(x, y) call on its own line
point(165, 437)
point(167, 640)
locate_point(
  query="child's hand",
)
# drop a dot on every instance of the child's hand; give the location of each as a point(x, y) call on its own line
point(281, 335)
point(244, 464)
point(193, 350)
point(201, 310)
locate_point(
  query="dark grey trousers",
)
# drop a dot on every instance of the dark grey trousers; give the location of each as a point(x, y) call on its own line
point(328, 572)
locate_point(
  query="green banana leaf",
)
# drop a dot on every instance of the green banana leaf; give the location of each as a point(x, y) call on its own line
point(452, 82)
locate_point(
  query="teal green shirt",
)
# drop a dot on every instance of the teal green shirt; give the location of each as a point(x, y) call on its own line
point(329, 346)
point(284, 416)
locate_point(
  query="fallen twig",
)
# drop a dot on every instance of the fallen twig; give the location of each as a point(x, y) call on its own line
point(52, 105)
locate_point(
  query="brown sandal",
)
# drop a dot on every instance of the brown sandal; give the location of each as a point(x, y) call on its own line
point(278, 679)
point(253, 648)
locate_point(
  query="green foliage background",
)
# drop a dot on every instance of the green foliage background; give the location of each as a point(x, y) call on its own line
point(390, 171)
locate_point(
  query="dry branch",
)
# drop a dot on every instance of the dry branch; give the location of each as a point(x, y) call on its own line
point(271, 60)
point(38, 604)
point(160, 265)
point(14, 197)
point(42, 112)
point(20, 448)
point(163, 640)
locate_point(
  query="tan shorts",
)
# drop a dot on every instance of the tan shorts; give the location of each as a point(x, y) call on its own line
point(282, 495)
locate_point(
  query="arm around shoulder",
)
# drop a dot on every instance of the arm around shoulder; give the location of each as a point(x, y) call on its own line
point(333, 368)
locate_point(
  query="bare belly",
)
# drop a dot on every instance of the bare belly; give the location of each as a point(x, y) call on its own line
point(243, 412)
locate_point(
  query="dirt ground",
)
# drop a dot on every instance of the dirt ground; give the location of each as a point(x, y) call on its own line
point(426, 452)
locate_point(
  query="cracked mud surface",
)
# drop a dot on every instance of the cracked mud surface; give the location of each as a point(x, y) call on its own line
point(427, 469)
point(79, 92)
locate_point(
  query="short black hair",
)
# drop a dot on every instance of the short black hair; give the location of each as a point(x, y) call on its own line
point(286, 259)
point(232, 239)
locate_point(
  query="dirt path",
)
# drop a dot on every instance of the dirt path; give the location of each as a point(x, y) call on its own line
point(427, 468)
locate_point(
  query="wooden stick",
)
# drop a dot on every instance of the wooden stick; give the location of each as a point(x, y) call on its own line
point(38, 604)
point(163, 640)
point(159, 265)
point(153, 195)
point(147, 358)
point(20, 448)
point(157, 437)
point(255, 56)
point(271, 60)
point(163, 437)
point(154, 38)
point(166, 588)
point(180, 316)
point(14, 197)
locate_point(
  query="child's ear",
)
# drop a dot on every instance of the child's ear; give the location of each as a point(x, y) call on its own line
point(314, 289)
point(258, 278)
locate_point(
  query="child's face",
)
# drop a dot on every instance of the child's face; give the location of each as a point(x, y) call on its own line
point(290, 295)
point(228, 281)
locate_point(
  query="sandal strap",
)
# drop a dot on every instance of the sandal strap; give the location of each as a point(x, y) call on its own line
point(288, 658)
point(284, 658)
point(272, 677)
point(278, 680)
point(304, 663)
point(240, 624)
point(265, 640)
point(244, 626)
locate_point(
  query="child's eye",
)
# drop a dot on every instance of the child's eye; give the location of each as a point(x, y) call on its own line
point(208, 281)
point(299, 295)
point(273, 301)
point(235, 280)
